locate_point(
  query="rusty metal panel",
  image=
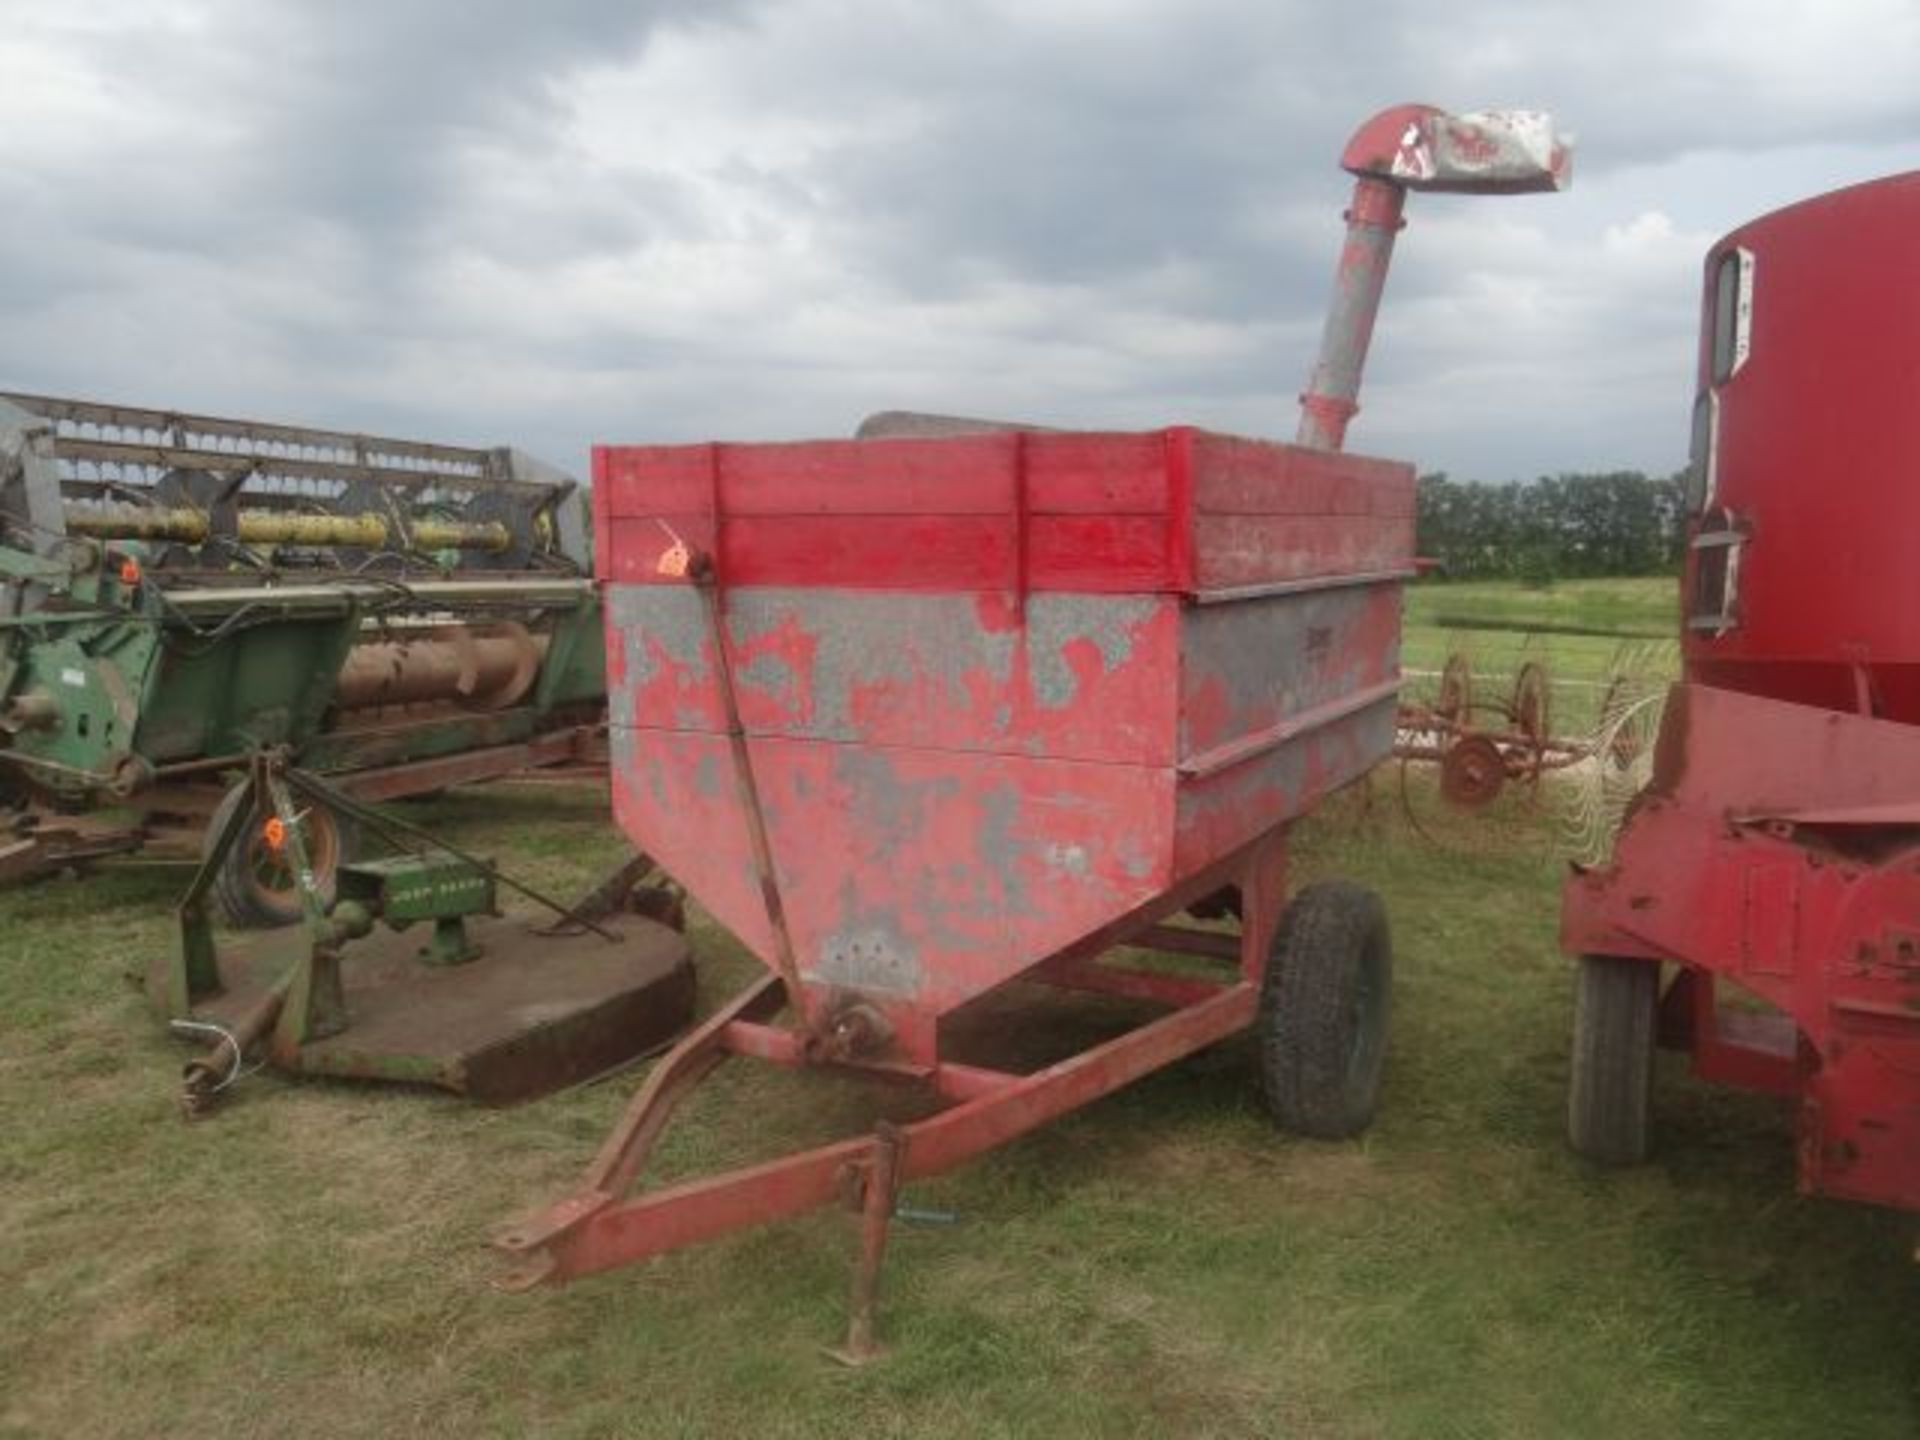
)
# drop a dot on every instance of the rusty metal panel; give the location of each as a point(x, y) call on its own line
point(1252, 664)
point(1077, 676)
point(907, 874)
point(1228, 806)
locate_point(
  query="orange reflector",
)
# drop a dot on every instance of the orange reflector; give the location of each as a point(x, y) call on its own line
point(274, 832)
point(129, 571)
point(675, 560)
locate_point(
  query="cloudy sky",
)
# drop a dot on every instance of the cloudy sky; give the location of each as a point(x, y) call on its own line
point(552, 223)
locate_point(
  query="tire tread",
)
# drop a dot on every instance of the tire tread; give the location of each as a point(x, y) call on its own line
point(1305, 1003)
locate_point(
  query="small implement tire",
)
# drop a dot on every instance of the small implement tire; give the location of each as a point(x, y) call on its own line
point(255, 886)
point(1324, 1005)
point(1610, 1088)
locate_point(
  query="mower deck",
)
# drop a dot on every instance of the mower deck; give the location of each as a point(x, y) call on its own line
point(533, 1013)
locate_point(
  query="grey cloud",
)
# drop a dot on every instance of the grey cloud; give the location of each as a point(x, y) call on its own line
point(407, 216)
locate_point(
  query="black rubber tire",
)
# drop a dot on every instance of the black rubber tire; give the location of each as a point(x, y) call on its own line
point(1616, 1006)
point(244, 899)
point(1325, 1003)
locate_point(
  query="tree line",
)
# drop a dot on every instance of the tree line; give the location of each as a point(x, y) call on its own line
point(1619, 523)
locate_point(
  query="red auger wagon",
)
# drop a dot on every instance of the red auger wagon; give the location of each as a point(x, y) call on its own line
point(927, 716)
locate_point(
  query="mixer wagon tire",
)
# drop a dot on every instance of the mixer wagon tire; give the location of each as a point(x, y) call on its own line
point(1324, 1005)
point(1610, 1091)
point(254, 885)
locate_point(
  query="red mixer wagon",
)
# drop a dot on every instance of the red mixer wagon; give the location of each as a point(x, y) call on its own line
point(1777, 847)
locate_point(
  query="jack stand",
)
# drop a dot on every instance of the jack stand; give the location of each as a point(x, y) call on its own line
point(878, 1190)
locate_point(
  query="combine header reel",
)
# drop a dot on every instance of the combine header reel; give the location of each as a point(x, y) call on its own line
point(409, 972)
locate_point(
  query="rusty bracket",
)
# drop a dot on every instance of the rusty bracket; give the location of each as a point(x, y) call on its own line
point(879, 1189)
point(702, 572)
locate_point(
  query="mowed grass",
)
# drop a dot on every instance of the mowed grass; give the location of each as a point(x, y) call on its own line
point(309, 1260)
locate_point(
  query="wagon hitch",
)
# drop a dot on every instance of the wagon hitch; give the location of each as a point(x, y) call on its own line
point(1412, 147)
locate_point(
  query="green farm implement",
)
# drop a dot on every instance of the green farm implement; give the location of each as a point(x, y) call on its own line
point(409, 971)
point(179, 593)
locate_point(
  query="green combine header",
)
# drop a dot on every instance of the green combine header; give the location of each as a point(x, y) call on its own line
point(179, 592)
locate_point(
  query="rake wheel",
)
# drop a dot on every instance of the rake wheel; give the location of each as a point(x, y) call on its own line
point(1472, 773)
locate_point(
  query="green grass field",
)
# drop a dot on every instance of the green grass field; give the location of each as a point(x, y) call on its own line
point(309, 1261)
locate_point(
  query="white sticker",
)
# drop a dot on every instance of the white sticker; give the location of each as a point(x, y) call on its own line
point(74, 677)
point(1743, 315)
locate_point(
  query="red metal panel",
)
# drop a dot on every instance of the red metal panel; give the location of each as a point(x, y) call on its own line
point(1069, 474)
point(1714, 872)
point(1818, 441)
point(649, 480)
point(1096, 513)
point(1100, 554)
point(1239, 550)
point(673, 789)
point(1772, 758)
point(899, 552)
point(1235, 476)
point(1094, 554)
point(973, 475)
point(1100, 473)
point(1269, 512)
point(887, 552)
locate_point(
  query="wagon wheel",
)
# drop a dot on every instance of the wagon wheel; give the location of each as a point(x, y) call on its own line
point(1609, 1094)
point(1454, 703)
point(1532, 713)
point(1325, 999)
point(1472, 773)
point(255, 885)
